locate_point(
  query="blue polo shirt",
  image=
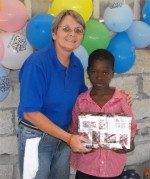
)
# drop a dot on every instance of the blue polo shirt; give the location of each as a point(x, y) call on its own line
point(49, 87)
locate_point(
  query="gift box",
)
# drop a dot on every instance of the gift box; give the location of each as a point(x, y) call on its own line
point(105, 130)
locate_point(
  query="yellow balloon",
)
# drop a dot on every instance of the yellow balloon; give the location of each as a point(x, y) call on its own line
point(86, 79)
point(83, 7)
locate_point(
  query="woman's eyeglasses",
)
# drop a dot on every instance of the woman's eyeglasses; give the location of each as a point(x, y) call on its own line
point(67, 28)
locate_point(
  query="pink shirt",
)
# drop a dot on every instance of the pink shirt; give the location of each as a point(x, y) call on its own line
point(101, 162)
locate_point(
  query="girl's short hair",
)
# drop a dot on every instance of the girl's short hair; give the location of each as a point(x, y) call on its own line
point(101, 54)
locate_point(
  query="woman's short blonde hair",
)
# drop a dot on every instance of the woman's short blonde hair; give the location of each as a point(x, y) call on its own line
point(76, 16)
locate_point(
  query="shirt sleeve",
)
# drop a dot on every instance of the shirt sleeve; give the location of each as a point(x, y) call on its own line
point(74, 123)
point(83, 87)
point(128, 110)
point(32, 88)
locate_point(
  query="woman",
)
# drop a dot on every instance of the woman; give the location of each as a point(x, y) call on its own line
point(50, 81)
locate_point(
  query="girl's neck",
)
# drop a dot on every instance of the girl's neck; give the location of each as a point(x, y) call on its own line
point(101, 92)
point(101, 97)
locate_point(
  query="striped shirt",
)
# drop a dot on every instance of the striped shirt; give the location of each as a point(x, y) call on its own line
point(101, 162)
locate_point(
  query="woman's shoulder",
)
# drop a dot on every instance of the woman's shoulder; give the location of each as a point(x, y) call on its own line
point(37, 58)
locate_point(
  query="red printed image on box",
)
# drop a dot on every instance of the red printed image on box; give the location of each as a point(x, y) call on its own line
point(105, 129)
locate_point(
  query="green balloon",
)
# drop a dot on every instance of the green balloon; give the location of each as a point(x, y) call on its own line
point(96, 36)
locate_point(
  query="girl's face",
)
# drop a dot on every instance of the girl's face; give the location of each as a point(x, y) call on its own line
point(100, 74)
point(69, 34)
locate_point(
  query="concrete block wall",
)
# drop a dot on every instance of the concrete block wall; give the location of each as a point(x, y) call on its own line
point(136, 81)
point(8, 126)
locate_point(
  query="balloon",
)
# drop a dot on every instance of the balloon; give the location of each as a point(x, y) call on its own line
point(4, 83)
point(83, 7)
point(7, 70)
point(139, 34)
point(16, 50)
point(146, 12)
point(86, 79)
point(123, 50)
point(96, 36)
point(118, 17)
point(38, 30)
point(82, 54)
point(1, 49)
point(13, 15)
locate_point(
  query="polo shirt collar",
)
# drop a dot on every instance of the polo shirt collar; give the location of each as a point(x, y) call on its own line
point(117, 95)
point(56, 60)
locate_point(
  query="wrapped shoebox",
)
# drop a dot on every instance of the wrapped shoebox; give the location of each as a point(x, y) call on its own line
point(105, 130)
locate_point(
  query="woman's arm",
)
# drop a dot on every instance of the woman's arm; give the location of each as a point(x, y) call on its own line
point(47, 126)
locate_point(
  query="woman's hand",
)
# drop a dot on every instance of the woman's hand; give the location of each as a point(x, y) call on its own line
point(129, 97)
point(76, 144)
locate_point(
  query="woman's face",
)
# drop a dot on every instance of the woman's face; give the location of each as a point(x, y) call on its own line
point(68, 35)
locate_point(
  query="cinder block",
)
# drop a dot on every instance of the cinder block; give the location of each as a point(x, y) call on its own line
point(127, 83)
point(6, 171)
point(8, 145)
point(146, 84)
point(6, 122)
point(141, 108)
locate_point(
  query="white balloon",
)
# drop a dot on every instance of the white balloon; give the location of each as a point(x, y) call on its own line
point(16, 50)
point(83, 55)
point(1, 48)
point(139, 34)
point(118, 17)
point(4, 83)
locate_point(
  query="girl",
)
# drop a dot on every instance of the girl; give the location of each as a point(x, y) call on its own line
point(101, 163)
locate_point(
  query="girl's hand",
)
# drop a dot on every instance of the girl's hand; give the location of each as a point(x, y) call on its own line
point(124, 149)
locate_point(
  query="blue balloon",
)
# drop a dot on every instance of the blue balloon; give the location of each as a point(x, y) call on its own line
point(139, 34)
point(4, 83)
point(83, 55)
point(38, 30)
point(118, 17)
point(146, 12)
point(123, 50)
